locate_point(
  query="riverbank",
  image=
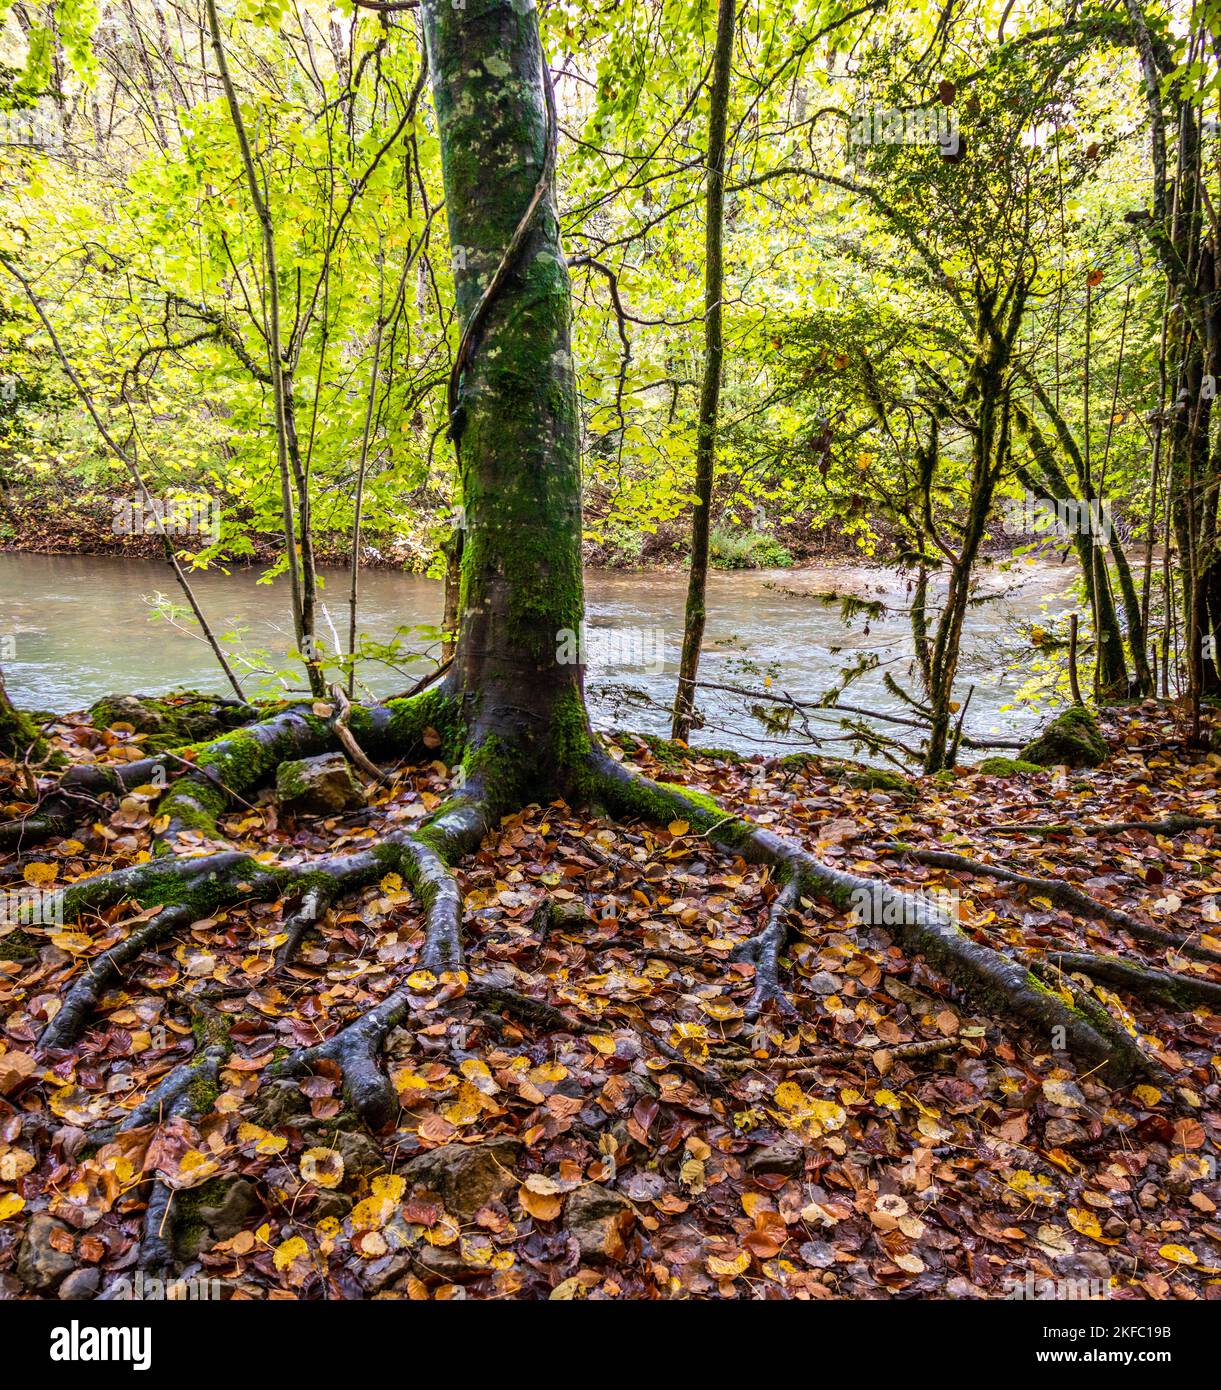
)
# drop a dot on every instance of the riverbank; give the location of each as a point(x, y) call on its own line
point(47, 521)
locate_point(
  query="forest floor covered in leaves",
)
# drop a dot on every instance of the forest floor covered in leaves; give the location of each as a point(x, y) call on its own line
point(600, 1119)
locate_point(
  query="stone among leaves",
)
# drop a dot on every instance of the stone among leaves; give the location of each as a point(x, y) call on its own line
point(1072, 739)
point(45, 1257)
point(465, 1176)
point(321, 786)
point(599, 1220)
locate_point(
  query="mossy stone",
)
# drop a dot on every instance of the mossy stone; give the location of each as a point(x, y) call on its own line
point(1007, 767)
point(321, 786)
point(1072, 739)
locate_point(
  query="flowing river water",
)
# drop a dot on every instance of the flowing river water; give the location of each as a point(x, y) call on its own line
point(74, 628)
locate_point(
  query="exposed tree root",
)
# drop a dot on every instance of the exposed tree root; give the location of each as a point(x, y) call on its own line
point(1127, 1058)
point(206, 778)
point(1062, 894)
point(157, 1246)
point(314, 904)
point(158, 1104)
point(1162, 986)
point(55, 814)
point(102, 972)
point(180, 890)
point(926, 1047)
point(763, 950)
point(1177, 823)
point(187, 889)
point(423, 857)
point(990, 978)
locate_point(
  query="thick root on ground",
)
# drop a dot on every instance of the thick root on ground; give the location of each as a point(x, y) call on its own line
point(1162, 986)
point(205, 778)
point(990, 978)
point(423, 858)
point(157, 1245)
point(1063, 894)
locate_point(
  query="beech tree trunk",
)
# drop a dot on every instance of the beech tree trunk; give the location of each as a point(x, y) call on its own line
point(517, 677)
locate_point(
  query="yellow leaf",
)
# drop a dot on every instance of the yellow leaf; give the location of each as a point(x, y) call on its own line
point(40, 875)
point(542, 1206)
point(721, 1009)
point(828, 1113)
point(1147, 1095)
point(371, 1213)
point(322, 1166)
point(389, 1185)
point(678, 827)
point(444, 1232)
point(789, 1095)
point(728, 1269)
point(10, 1205)
point(1086, 1223)
point(1179, 1254)
point(76, 943)
point(293, 1249)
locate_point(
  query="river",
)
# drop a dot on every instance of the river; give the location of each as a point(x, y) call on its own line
point(78, 627)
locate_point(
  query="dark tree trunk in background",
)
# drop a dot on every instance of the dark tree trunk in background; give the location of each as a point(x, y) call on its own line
point(710, 390)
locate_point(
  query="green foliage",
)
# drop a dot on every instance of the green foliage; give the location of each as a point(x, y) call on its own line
point(744, 550)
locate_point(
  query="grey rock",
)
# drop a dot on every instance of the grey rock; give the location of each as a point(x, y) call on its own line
point(40, 1266)
point(280, 1103)
point(823, 983)
point(598, 1219)
point(220, 1218)
point(781, 1156)
point(465, 1176)
point(1059, 1132)
point(362, 1155)
point(80, 1285)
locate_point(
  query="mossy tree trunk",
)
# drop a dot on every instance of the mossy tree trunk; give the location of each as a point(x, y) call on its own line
point(18, 732)
point(1111, 669)
point(517, 676)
